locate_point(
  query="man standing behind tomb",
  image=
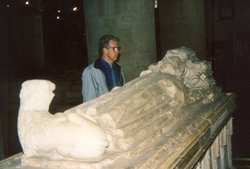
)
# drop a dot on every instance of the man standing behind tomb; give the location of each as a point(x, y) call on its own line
point(105, 73)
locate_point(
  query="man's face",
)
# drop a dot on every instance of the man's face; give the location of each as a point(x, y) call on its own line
point(111, 53)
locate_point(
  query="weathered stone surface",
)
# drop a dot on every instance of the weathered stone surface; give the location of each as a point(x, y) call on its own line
point(58, 136)
point(166, 118)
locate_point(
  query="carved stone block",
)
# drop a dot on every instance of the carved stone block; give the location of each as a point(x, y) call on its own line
point(165, 118)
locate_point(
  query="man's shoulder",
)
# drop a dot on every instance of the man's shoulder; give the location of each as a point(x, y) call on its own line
point(90, 68)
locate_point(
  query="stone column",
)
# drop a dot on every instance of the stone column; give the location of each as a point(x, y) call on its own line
point(182, 23)
point(132, 22)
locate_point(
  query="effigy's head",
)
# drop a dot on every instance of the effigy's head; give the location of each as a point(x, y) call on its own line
point(36, 94)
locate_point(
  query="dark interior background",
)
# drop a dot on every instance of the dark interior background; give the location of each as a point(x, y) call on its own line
point(66, 56)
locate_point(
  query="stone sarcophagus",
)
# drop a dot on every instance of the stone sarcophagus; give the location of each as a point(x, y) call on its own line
point(169, 117)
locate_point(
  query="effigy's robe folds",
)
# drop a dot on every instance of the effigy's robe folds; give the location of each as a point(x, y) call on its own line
point(163, 119)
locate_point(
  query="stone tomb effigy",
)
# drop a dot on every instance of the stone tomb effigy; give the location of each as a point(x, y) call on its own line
point(166, 118)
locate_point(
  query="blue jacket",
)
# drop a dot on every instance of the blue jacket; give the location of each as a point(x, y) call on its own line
point(95, 80)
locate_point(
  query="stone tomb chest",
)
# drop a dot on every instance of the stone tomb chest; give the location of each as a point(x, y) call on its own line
point(172, 116)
